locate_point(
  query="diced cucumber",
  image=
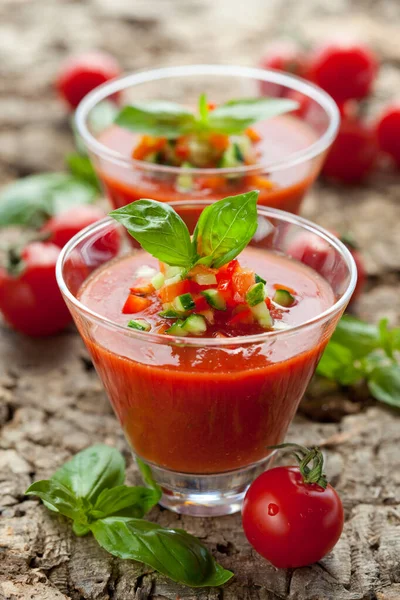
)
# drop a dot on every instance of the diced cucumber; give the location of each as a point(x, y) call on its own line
point(184, 182)
point(140, 325)
point(256, 294)
point(183, 303)
point(195, 324)
point(177, 329)
point(243, 143)
point(259, 279)
point(229, 158)
point(172, 280)
point(215, 299)
point(283, 298)
point(262, 315)
point(205, 279)
point(169, 314)
point(158, 281)
point(172, 271)
point(238, 152)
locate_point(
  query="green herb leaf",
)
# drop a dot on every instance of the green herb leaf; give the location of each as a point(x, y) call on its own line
point(174, 553)
point(203, 109)
point(158, 118)
point(57, 497)
point(357, 336)
point(384, 384)
point(125, 501)
point(81, 167)
point(148, 478)
point(337, 364)
point(158, 229)
point(30, 201)
point(225, 228)
point(235, 116)
point(91, 471)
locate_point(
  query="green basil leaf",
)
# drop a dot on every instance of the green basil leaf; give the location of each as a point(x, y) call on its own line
point(384, 384)
point(56, 497)
point(81, 167)
point(158, 229)
point(31, 200)
point(174, 553)
point(337, 364)
point(357, 336)
point(158, 118)
point(125, 501)
point(235, 116)
point(225, 228)
point(102, 116)
point(91, 471)
point(148, 478)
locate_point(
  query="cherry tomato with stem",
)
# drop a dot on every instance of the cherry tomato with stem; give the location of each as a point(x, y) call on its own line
point(29, 296)
point(345, 69)
point(79, 75)
point(388, 132)
point(291, 515)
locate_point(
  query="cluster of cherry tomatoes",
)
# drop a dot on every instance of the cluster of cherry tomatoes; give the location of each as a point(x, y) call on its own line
point(347, 71)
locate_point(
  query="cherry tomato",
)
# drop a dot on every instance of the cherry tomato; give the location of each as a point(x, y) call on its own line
point(388, 132)
point(81, 74)
point(289, 522)
point(345, 70)
point(30, 299)
point(283, 55)
point(353, 153)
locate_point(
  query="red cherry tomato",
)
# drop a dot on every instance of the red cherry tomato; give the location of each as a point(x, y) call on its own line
point(353, 153)
point(284, 55)
point(30, 300)
point(388, 132)
point(81, 74)
point(289, 522)
point(345, 70)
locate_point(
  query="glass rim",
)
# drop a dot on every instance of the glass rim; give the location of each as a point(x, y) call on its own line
point(213, 342)
point(268, 75)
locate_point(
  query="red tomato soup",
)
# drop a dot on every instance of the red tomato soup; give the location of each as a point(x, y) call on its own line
point(205, 409)
point(279, 138)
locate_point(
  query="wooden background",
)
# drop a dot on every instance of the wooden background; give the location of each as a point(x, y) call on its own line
point(51, 402)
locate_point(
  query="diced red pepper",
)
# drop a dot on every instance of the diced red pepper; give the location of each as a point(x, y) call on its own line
point(168, 293)
point(269, 303)
point(182, 149)
point(201, 303)
point(135, 304)
point(243, 279)
point(142, 287)
point(147, 145)
point(219, 141)
point(227, 270)
point(244, 317)
point(227, 291)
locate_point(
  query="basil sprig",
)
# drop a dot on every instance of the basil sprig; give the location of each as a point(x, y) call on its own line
point(90, 490)
point(223, 230)
point(171, 120)
point(361, 351)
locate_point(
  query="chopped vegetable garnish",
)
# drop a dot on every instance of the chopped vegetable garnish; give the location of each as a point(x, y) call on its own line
point(284, 298)
point(140, 325)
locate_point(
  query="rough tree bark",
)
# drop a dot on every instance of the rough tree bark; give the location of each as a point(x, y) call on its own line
point(51, 402)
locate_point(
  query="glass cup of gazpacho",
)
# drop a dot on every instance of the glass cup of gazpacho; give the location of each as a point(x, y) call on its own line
point(207, 132)
point(205, 332)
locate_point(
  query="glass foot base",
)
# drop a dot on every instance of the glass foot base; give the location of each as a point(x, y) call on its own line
point(206, 495)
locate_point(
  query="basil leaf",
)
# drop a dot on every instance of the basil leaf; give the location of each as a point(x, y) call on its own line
point(56, 497)
point(158, 118)
point(124, 501)
point(30, 201)
point(235, 116)
point(337, 364)
point(225, 228)
point(384, 384)
point(357, 336)
point(158, 229)
point(91, 471)
point(148, 478)
point(174, 553)
point(81, 167)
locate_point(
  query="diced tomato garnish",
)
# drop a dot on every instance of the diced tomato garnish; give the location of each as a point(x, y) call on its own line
point(142, 287)
point(147, 145)
point(278, 286)
point(201, 303)
point(213, 182)
point(243, 317)
point(163, 328)
point(257, 181)
point(202, 270)
point(227, 270)
point(219, 141)
point(242, 279)
point(226, 289)
point(253, 135)
point(269, 303)
point(135, 304)
point(182, 149)
point(168, 293)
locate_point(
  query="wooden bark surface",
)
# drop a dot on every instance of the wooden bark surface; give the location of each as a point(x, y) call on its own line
point(51, 402)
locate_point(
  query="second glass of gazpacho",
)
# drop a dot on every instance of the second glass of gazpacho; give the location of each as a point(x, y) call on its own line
point(206, 339)
point(206, 132)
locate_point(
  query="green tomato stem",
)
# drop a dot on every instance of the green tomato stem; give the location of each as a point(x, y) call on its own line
point(305, 456)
